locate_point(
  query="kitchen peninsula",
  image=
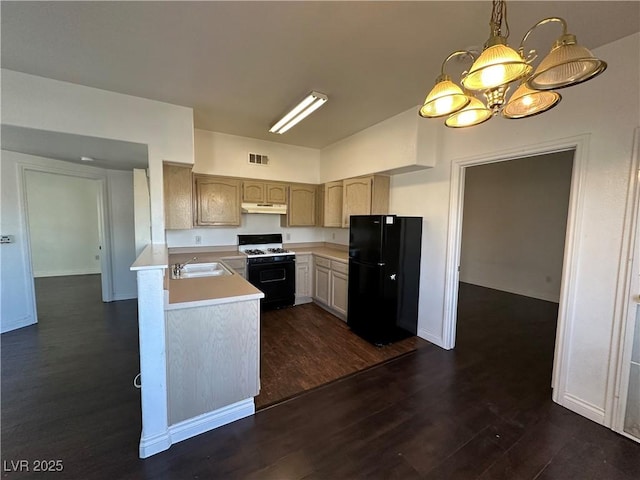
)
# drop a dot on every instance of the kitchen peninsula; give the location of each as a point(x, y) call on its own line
point(206, 364)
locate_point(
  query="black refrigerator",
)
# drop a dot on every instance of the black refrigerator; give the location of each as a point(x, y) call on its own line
point(384, 276)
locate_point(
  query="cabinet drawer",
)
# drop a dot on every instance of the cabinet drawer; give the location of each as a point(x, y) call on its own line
point(323, 262)
point(339, 267)
point(303, 258)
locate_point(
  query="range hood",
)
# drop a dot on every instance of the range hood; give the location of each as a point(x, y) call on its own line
point(275, 208)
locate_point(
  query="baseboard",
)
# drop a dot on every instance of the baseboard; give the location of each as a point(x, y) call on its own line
point(208, 421)
point(125, 296)
point(154, 444)
point(303, 300)
point(195, 426)
point(430, 337)
point(8, 326)
point(582, 407)
point(525, 293)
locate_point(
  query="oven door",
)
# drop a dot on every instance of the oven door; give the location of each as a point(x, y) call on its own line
point(277, 280)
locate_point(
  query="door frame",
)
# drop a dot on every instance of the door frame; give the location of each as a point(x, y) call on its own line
point(566, 312)
point(104, 224)
point(629, 299)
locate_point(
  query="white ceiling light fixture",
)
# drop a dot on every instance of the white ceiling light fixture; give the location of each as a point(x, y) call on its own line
point(498, 66)
point(306, 107)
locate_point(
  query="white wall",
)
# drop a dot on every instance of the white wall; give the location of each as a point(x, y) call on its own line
point(514, 224)
point(122, 234)
point(605, 109)
point(395, 145)
point(222, 154)
point(39, 103)
point(251, 223)
point(17, 307)
point(63, 224)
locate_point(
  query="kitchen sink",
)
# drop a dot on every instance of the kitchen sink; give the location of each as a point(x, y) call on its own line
point(193, 270)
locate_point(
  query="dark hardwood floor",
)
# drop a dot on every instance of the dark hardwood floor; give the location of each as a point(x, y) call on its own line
point(304, 347)
point(482, 411)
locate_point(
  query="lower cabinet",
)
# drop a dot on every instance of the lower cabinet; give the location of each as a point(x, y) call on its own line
point(331, 285)
point(303, 278)
point(237, 264)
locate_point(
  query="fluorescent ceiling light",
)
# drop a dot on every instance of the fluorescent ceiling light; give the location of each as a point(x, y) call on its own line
point(306, 107)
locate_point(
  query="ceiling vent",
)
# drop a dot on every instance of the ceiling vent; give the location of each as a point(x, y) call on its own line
point(257, 159)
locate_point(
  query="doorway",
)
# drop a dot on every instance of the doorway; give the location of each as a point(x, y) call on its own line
point(66, 227)
point(511, 259)
point(569, 281)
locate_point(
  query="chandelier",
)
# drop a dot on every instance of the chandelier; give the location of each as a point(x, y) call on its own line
point(484, 89)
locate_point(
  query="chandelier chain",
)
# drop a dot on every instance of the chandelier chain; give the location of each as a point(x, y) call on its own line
point(498, 18)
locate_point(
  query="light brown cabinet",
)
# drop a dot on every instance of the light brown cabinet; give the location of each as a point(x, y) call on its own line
point(364, 196)
point(332, 204)
point(178, 196)
point(331, 285)
point(255, 191)
point(301, 208)
point(303, 278)
point(217, 201)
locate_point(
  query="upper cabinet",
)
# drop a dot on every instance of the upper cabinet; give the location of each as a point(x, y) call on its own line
point(301, 209)
point(364, 196)
point(332, 204)
point(217, 200)
point(178, 196)
point(255, 191)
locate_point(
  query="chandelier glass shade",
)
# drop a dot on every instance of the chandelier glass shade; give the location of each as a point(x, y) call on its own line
point(444, 99)
point(474, 113)
point(526, 102)
point(498, 66)
point(567, 64)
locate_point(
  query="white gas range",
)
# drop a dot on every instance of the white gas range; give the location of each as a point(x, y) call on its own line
point(270, 268)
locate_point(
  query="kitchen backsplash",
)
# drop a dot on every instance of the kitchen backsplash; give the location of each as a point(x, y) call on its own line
point(254, 223)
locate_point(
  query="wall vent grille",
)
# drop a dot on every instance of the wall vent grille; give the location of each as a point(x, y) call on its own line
point(258, 159)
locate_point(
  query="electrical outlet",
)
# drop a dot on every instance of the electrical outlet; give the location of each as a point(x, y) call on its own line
point(198, 240)
point(97, 257)
point(288, 236)
point(7, 239)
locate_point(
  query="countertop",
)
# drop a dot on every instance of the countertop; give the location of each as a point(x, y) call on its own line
point(204, 291)
point(331, 253)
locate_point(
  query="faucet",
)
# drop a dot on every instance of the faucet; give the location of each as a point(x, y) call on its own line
point(177, 267)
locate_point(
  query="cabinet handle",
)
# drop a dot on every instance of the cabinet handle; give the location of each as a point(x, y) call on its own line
point(393, 276)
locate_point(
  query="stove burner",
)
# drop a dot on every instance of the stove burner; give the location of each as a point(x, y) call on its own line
point(277, 250)
point(254, 251)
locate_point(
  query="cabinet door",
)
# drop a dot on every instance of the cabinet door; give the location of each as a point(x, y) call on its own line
point(321, 281)
point(276, 193)
point(303, 278)
point(339, 291)
point(333, 204)
point(217, 201)
point(178, 196)
point(253, 192)
point(302, 206)
point(356, 196)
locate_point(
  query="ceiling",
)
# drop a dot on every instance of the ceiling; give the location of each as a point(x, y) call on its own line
point(103, 152)
point(241, 65)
